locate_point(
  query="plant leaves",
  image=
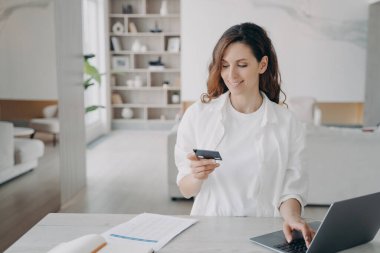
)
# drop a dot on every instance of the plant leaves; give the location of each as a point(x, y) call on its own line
point(88, 56)
point(93, 74)
point(91, 71)
point(93, 108)
point(88, 83)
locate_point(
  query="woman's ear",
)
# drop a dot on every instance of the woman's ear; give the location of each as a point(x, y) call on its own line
point(263, 65)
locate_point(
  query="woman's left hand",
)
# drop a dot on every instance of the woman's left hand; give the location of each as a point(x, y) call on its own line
point(297, 223)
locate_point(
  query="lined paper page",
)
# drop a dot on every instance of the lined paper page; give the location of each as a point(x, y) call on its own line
point(149, 229)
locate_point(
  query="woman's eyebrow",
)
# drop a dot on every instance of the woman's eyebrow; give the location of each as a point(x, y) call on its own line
point(242, 59)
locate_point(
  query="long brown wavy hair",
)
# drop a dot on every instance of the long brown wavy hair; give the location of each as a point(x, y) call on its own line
point(258, 41)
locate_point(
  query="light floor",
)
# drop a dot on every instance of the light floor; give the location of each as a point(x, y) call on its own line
point(126, 173)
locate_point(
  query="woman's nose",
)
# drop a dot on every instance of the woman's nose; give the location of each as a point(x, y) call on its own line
point(232, 73)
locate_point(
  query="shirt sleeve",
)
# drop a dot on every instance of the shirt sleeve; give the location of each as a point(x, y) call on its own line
point(296, 180)
point(185, 143)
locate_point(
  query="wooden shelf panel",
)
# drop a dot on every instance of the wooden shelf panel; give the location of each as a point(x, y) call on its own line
point(145, 88)
point(118, 15)
point(175, 106)
point(145, 34)
point(126, 52)
point(146, 71)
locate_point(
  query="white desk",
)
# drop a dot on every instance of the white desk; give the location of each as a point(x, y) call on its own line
point(209, 234)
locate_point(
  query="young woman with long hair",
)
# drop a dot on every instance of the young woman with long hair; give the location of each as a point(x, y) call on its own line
point(260, 140)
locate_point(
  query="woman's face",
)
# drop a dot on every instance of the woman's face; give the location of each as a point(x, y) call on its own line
point(240, 69)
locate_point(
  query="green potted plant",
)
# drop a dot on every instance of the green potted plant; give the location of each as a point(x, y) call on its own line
point(92, 77)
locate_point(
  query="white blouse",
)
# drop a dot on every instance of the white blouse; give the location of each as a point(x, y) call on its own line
point(258, 171)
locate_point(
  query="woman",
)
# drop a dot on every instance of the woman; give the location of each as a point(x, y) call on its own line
point(259, 140)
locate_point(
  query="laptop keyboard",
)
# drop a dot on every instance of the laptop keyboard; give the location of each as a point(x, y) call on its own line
point(296, 246)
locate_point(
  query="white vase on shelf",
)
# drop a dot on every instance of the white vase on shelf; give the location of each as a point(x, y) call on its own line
point(143, 48)
point(175, 98)
point(118, 28)
point(127, 113)
point(164, 8)
point(130, 83)
point(138, 82)
point(136, 46)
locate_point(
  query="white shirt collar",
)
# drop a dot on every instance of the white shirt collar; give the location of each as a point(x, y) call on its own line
point(270, 115)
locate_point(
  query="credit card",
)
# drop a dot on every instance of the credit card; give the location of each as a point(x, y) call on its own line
point(207, 154)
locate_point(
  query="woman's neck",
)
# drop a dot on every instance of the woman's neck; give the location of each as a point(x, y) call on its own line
point(246, 103)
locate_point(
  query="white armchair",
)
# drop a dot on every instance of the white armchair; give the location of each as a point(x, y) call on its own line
point(49, 123)
point(305, 109)
point(17, 155)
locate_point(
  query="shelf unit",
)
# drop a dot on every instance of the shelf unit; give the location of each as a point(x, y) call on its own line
point(153, 94)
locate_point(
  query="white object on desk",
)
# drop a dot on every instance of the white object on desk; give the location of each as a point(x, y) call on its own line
point(96, 243)
point(87, 243)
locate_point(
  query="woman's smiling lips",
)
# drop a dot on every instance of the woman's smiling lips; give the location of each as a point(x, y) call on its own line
point(234, 84)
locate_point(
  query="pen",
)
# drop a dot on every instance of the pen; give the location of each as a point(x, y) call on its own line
point(99, 247)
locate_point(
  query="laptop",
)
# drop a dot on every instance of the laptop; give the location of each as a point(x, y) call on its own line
point(348, 223)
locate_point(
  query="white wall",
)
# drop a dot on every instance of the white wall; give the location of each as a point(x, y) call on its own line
point(372, 102)
point(69, 51)
point(27, 50)
point(321, 44)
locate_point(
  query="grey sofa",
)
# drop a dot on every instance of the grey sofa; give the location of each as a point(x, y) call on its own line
point(17, 155)
point(342, 163)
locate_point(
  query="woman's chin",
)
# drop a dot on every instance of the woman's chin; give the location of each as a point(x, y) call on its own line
point(236, 90)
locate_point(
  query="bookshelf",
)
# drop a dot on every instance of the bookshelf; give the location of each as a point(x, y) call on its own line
point(144, 60)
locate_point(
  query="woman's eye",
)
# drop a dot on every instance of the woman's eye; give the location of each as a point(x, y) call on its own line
point(224, 66)
point(242, 65)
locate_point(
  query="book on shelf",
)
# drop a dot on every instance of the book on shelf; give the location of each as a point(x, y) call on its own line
point(115, 44)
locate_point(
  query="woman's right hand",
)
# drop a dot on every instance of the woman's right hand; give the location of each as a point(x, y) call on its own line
point(201, 168)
